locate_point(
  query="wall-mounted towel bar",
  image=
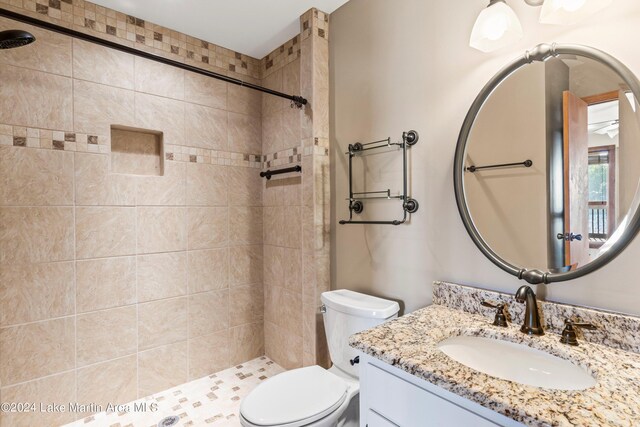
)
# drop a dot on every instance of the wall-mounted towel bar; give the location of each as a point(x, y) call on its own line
point(526, 164)
point(356, 199)
point(269, 173)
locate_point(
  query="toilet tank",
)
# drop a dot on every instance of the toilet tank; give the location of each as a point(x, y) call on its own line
point(346, 313)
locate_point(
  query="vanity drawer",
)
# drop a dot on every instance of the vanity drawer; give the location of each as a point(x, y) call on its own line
point(394, 401)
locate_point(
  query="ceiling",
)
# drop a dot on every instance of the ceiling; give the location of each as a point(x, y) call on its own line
point(251, 27)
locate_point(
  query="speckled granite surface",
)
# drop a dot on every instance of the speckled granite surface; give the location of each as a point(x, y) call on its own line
point(410, 343)
point(614, 330)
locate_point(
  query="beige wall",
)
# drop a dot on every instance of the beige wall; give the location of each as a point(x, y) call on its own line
point(116, 286)
point(509, 206)
point(407, 64)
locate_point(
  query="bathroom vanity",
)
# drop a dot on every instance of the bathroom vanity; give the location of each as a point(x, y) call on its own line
point(408, 380)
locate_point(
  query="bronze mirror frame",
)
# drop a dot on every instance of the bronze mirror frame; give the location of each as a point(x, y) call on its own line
point(540, 53)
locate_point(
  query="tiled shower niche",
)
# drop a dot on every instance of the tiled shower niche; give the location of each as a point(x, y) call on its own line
point(136, 151)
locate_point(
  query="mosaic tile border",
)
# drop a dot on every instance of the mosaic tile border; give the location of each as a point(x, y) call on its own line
point(320, 147)
point(614, 330)
point(20, 136)
point(180, 153)
point(317, 20)
point(143, 34)
point(281, 56)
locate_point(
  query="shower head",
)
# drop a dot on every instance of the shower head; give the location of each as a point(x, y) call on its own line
point(15, 38)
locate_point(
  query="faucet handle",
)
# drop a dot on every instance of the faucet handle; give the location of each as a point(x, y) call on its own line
point(569, 333)
point(501, 318)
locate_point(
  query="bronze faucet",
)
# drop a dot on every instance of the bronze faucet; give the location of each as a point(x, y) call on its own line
point(531, 325)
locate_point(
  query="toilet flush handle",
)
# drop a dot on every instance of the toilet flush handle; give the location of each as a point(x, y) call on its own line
point(323, 309)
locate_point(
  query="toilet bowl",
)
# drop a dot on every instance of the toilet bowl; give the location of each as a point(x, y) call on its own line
point(314, 396)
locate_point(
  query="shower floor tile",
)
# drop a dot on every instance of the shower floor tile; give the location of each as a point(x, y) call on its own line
point(209, 401)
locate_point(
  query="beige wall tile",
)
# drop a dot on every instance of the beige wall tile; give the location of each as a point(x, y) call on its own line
point(206, 185)
point(96, 185)
point(162, 276)
point(162, 322)
point(161, 114)
point(274, 261)
point(159, 79)
point(166, 190)
point(52, 52)
point(247, 342)
point(37, 349)
point(105, 231)
point(204, 90)
point(36, 99)
point(291, 77)
point(246, 265)
point(244, 100)
point(53, 389)
point(31, 292)
point(97, 107)
point(105, 335)
point(247, 304)
point(208, 354)
point(293, 269)
point(271, 104)
point(105, 283)
point(162, 368)
point(102, 65)
point(208, 312)
point(245, 225)
point(272, 192)
point(273, 226)
point(206, 127)
point(208, 270)
point(207, 227)
point(245, 187)
point(245, 133)
point(35, 177)
point(161, 229)
point(36, 234)
point(292, 227)
point(291, 131)
point(272, 132)
point(283, 349)
point(112, 382)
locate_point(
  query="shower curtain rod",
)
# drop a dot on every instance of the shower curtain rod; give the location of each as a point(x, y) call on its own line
point(299, 101)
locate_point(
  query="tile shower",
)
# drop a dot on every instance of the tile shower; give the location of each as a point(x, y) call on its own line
point(139, 248)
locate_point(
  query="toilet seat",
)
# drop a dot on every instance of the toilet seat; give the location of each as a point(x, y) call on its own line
point(294, 398)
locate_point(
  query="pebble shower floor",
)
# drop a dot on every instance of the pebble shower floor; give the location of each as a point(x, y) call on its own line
point(209, 401)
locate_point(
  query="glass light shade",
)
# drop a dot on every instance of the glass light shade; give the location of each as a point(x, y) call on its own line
point(567, 12)
point(497, 26)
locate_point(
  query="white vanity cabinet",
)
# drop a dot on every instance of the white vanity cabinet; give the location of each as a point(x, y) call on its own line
point(391, 397)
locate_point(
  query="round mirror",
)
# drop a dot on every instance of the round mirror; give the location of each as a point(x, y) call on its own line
point(547, 165)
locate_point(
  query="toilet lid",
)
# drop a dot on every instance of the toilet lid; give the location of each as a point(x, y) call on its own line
point(305, 394)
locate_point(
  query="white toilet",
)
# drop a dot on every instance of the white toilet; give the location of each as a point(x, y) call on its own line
point(314, 396)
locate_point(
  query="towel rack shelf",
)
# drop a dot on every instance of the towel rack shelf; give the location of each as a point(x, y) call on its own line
point(356, 205)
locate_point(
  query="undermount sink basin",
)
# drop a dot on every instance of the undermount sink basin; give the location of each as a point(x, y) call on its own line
point(517, 363)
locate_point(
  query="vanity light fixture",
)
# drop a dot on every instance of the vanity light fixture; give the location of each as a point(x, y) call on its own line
point(498, 26)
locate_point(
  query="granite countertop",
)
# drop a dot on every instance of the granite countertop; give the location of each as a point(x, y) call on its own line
point(410, 343)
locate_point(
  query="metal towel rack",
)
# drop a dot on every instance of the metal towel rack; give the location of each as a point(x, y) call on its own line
point(526, 164)
point(269, 173)
point(356, 199)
